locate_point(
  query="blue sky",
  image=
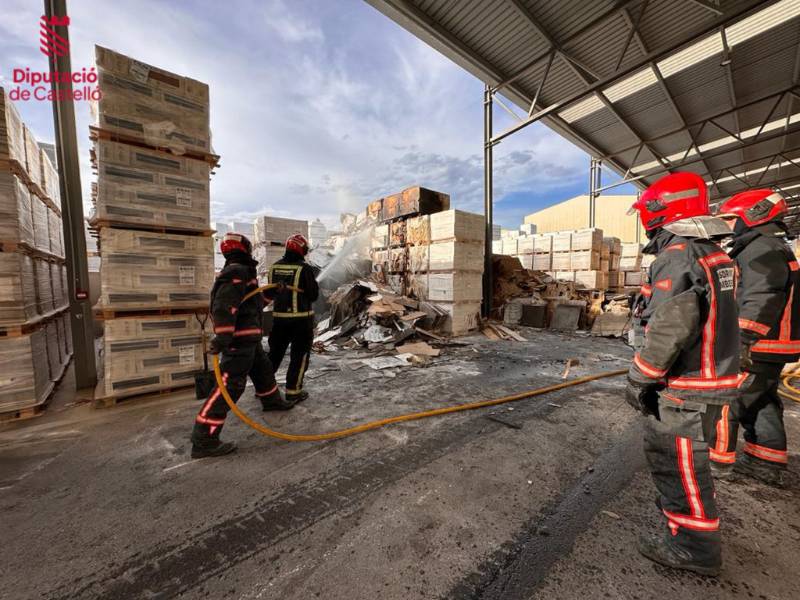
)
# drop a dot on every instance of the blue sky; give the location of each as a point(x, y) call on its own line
point(317, 106)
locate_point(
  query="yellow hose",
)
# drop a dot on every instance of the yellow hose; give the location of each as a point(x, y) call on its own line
point(269, 286)
point(793, 393)
point(332, 435)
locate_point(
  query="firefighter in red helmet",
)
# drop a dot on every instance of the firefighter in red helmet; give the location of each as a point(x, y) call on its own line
point(237, 339)
point(293, 314)
point(769, 321)
point(686, 365)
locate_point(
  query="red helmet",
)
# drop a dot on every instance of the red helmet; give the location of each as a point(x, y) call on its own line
point(672, 198)
point(235, 242)
point(754, 207)
point(297, 243)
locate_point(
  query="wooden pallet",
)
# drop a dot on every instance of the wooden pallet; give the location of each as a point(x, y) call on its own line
point(20, 329)
point(102, 401)
point(37, 410)
point(15, 167)
point(96, 133)
point(106, 313)
point(96, 224)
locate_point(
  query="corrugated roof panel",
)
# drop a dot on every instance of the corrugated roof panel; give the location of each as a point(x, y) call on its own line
point(656, 119)
point(755, 115)
point(666, 22)
point(562, 18)
point(601, 46)
point(762, 21)
point(614, 135)
point(561, 83)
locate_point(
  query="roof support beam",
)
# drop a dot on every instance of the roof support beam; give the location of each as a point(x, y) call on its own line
point(713, 7)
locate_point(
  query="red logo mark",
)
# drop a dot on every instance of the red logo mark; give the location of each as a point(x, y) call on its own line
point(50, 42)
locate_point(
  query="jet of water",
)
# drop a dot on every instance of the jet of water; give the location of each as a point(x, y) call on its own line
point(355, 243)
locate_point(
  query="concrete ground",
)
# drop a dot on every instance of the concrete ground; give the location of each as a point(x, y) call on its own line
point(541, 499)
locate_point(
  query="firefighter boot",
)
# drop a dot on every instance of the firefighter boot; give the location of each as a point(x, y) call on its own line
point(660, 548)
point(758, 469)
point(298, 397)
point(721, 472)
point(276, 401)
point(205, 445)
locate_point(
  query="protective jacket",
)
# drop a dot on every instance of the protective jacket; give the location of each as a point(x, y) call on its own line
point(293, 271)
point(688, 312)
point(234, 319)
point(768, 294)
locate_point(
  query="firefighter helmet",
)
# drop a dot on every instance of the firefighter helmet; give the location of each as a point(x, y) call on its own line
point(672, 198)
point(235, 242)
point(297, 243)
point(754, 207)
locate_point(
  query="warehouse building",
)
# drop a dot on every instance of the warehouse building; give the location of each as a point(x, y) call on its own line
point(611, 216)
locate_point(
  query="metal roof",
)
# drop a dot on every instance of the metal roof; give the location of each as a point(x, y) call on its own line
point(648, 86)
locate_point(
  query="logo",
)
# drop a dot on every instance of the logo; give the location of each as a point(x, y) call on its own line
point(727, 279)
point(50, 42)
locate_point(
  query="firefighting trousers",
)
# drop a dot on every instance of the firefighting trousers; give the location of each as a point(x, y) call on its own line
point(759, 411)
point(236, 364)
point(677, 454)
point(297, 332)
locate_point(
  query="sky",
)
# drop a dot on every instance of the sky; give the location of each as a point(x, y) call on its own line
point(317, 106)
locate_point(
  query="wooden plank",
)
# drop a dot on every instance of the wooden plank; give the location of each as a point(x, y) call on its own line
point(511, 333)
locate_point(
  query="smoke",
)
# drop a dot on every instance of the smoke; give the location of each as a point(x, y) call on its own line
point(349, 262)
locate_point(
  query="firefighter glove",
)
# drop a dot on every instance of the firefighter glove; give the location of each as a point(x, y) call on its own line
point(217, 346)
point(642, 397)
point(745, 358)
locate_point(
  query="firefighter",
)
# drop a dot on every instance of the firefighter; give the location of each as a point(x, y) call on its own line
point(293, 316)
point(769, 322)
point(237, 338)
point(686, 366)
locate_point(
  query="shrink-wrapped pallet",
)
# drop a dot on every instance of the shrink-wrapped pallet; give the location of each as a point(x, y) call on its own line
point(585, 260)
point(149, 104)
point(542, 243)
point(631, 249)
point(50, 185)
point(455, 256)
point(562, 241)
point(143, 354)
point(41, 224)
point(457, 225)
point(16, 218)
point(418, 230)
point(587, 239)
point(33, 158)
point(56, 231)
point(44, 286)
point(276, 230)
point(150, 188)
point(12, 136)
point(17, 289)
point(142, 269)
point(455, 287)
point(25, 377)
point(561, 261)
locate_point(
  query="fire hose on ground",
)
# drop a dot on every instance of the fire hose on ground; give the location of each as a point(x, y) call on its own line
point(436, 412)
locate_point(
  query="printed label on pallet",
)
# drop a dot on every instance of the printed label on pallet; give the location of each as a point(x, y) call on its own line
point(183, 197)
point(186, 355)
point(186, 276)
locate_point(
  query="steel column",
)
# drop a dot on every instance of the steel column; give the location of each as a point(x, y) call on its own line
point(69, 179)
point(488, 199)
point(595, 175)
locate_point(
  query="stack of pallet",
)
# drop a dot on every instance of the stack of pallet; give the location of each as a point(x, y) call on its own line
point(434, 254)
point(153, 162)
point(271, 234)
point(631, 265)
point(35, 336)
point(610, 262)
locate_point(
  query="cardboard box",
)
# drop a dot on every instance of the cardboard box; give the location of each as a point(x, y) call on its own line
point(12, 135)
point(542, 262)
point(585, 260)
point(543, 243)
point(397, 233)
point(16, 218)
point(151, 105)
point(630, 263)
point(634, 278)
point(613, 262)
point(150, 353)
point(561, 261)
point(17, 289)
point(41, 224)
point(276, 230)
point(587, 239)
point(456, 256)
point(457, 225)
point(455, 287)
point(591, 280)
point(562, 241)
point(418, 230)
point(631, 249)
point(142, 269)
point(27, 372)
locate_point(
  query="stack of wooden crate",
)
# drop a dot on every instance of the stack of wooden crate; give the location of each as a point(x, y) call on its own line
point(433, 254)
point(35, 335)
point(631, 265)
point(153, 161)
point(612, 251)
point(271, 234)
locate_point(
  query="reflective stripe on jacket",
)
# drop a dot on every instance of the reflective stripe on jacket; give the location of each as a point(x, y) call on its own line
point(293, 272)
point(234, 319)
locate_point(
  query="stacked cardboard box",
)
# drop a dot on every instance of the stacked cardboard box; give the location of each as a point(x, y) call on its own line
point(34, 328)
point(435, 256)
point(152, 154)
point(271, 234)
point(631, 264)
